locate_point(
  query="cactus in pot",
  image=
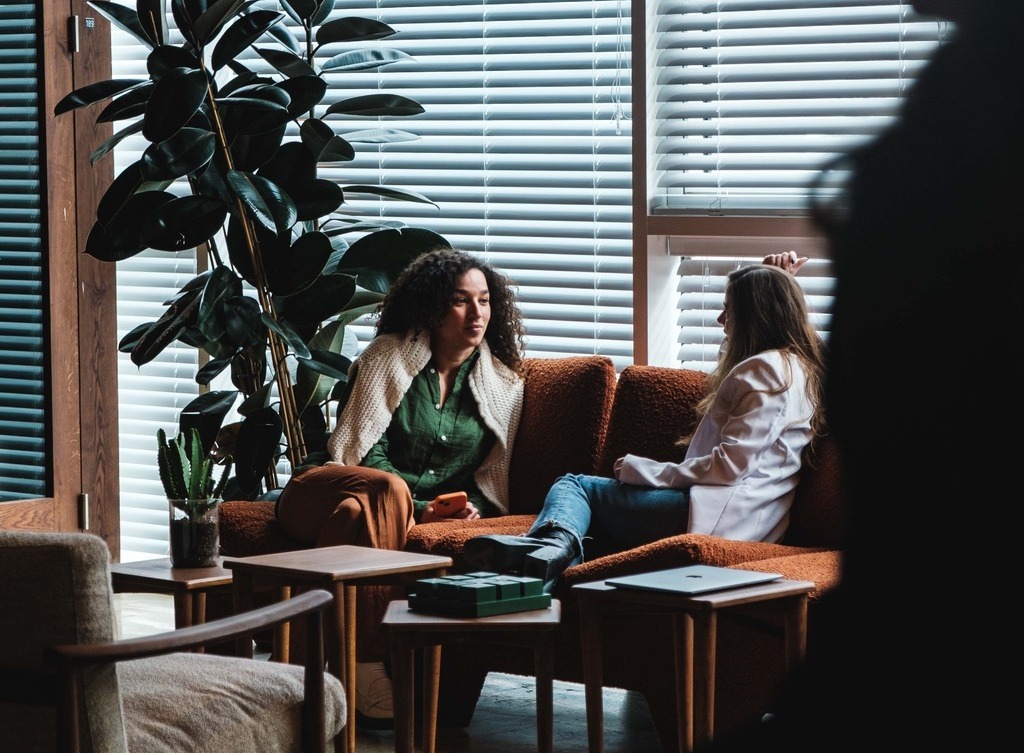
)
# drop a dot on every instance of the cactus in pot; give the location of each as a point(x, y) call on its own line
point(186, 472)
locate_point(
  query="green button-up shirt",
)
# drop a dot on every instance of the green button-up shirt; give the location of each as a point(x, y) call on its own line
point(436, 448)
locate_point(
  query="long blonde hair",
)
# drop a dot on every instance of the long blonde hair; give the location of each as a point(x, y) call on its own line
point(768, 311)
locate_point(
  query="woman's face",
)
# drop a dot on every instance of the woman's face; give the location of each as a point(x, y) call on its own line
point(723, 318)
point(466, 321)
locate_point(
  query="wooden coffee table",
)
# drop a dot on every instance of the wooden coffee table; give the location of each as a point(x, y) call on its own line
point(340, 570)
point(411, 630)
point(695, 621)
point(188, 585)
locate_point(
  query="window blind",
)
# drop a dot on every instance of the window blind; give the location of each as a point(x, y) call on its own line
point(525, 147)
point(752, 97)
point(702, 282)
point(24, 414)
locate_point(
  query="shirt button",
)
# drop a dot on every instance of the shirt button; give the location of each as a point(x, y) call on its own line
point(433, 371)
point(437, 405)
point(444, 438)
point(431, 472)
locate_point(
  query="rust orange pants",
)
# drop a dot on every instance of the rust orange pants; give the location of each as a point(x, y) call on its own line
point(345, 504)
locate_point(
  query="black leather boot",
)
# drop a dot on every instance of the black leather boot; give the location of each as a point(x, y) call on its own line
point(549, 562)
point(544, 555)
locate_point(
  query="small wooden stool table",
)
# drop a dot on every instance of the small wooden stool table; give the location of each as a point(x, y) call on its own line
point(188, 585)
point(695, 626)
point(410, 630)
point(340, 570)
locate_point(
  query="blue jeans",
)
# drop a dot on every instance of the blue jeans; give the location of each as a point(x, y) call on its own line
point(627, 515)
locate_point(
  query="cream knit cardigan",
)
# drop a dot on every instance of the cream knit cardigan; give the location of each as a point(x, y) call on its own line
point(387, 367)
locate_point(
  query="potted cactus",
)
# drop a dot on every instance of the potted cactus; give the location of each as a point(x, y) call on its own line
point(193, 498)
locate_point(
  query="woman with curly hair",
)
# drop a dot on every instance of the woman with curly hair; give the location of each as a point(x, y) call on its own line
point(432, 407)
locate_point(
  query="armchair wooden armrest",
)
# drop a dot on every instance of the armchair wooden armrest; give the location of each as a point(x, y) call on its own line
point(70, 660)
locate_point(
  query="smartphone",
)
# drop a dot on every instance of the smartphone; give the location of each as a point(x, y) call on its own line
point(447, 505)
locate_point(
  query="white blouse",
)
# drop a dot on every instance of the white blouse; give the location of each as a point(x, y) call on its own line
point(742, 463)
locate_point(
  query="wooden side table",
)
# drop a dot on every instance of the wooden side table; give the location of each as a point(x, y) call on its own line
point(410, 630)
point(696, 627)
point(340, 570)
point(188, 586)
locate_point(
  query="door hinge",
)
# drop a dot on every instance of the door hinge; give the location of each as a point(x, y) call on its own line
point(73, 41)
point(83, 511)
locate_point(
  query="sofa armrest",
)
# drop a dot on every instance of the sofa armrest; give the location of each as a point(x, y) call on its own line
point(678, 551)
point(447, 539)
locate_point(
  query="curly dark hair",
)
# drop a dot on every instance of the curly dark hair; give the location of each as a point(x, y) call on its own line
point(421, 296)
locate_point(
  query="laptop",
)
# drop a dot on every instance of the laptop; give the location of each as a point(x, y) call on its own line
point(693, 579)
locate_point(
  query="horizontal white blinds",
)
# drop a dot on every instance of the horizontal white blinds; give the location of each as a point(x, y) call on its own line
point(752, 97)
point(702, 282)
point(525, 147)
point(24, 385)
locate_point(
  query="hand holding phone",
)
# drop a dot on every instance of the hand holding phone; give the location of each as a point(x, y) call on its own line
point(446, 505)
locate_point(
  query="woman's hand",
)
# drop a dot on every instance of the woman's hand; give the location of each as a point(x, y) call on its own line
point(787, 261)
point(469, 512)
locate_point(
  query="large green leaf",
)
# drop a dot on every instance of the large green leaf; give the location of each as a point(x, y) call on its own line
point(105, 148)
point(257, 401)
point(165, 330)
point(131, 104)
point(266, 202)
point(205, 414)
point(359, 60)
point(288, 335)
point(174, 101)
point(129, 341)
point(241, 34)
point(167, 58)
point(305, 93)
point(316, 376)
point(296, 270)
point(283, 34)
point(124, 18)
point(324, 8)
point(259, 439)
point(316, 198)
point(184, 222)
point(321, 300)
point(352, 29)
point(209, 24)
point(262, 109)
point(212, 369)
point(242, 322)
point(92, 93)
point(376, 105)
point(379, 257)
point(121, 238)
point(398, 194)
point(251, 152)
point(184, 153)
point(289, 63)
point(222, 285)
point(153, 19)
point(123, 188)
point(323, 143)
point(300, 10)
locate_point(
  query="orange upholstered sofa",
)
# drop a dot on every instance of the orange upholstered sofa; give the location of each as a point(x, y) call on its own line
point(578, 418)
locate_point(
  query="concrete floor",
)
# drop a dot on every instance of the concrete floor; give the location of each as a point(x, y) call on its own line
point(504, 720)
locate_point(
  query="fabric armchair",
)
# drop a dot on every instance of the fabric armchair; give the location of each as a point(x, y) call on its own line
point(67, 683)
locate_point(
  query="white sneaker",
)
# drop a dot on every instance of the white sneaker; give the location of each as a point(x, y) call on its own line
point(374, 709)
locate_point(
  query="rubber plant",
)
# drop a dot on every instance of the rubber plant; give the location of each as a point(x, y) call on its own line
point(186, 472)
point(231, 169)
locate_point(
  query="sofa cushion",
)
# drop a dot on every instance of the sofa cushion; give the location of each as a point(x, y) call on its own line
point(250, 704)
point(818, 515)
point(447, 540)
point(653, 408)
point(566, 402)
